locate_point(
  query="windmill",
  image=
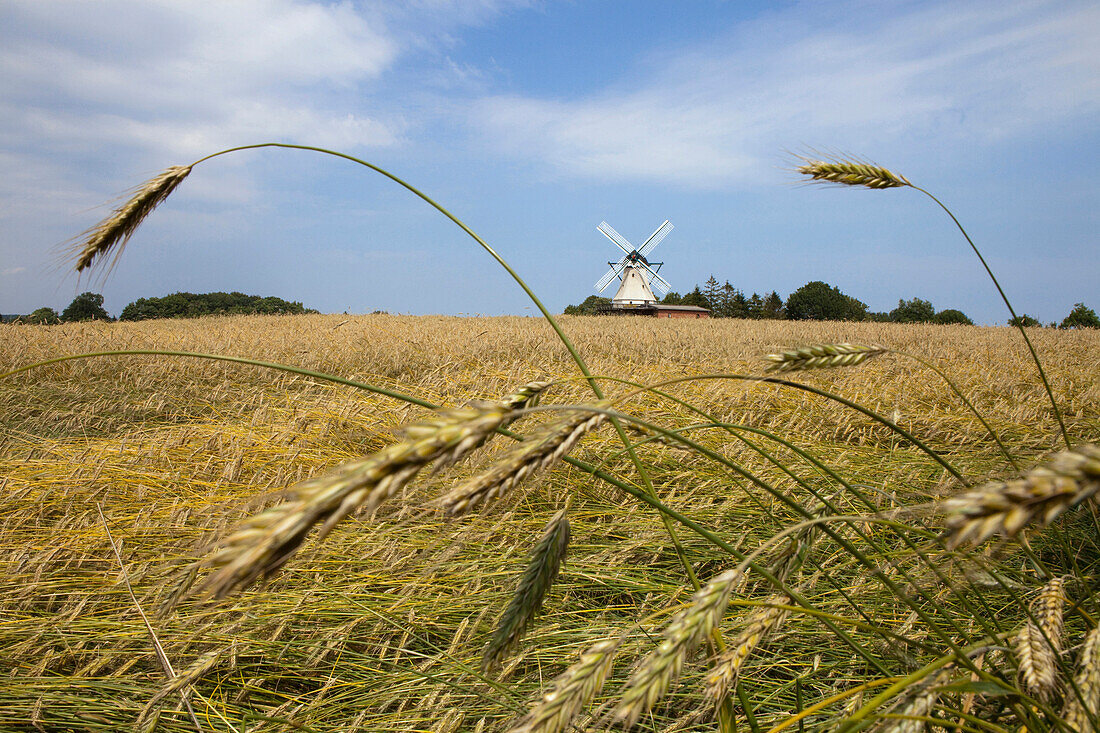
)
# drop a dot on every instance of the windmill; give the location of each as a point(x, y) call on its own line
point(638, 276)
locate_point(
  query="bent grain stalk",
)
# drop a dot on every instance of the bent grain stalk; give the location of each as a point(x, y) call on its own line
point(541, 572)
point(265, 542)
point(542, 450)
point(1040, 496)
point(571, 691)
point(821, 356)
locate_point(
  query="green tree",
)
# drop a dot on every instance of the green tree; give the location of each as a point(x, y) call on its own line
point(754, 306)
point(591, 306)
point(727, 300)
point(1081, 317)
point(712, 291)
point(695, 297)
point(951, 315)
point(673, 298)
point(1024, 320)
point(85, 307)
point(192, 305)
point(913, 311)
point(43, 316)
point(820, 301)
point(773, 306)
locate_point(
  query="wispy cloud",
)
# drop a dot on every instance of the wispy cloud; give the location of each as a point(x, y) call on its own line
point(848, 74)
point(12, 271)
point(180, 77)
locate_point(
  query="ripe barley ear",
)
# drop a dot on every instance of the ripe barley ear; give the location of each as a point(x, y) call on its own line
point(727, 668)
point(851, 173)
point(537, 579)
point(1041, 495)
point(115, 231)
point(1038, 670)
point(265, 542)
point(1078, 709)
point(821, 356)
point(687, 629)
point(540, 451)
point(571, 691)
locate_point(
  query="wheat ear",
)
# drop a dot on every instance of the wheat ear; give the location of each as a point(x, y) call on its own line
point(851, 173)
point(541, 572)
point(116, 229)
point(1006, 507)
point(266, 541)
point(727, 668)
point(1077, 709)
point(571, 691)
point(688, 628)
point(821, 356)
point(1040, 641)
point(185, 679)
point(540, 451)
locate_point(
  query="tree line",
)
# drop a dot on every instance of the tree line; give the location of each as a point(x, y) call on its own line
point(819, 301)
point(89, 307)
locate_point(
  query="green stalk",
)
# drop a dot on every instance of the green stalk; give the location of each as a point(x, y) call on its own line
point(523, 285)
point(1015, 319)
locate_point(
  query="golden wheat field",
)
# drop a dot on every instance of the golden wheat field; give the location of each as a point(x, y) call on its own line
point(382, 625)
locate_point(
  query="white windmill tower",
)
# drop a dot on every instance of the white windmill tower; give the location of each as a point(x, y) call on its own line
point(638, 276)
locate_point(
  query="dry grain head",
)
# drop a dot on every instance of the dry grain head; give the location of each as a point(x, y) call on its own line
point(851, 173)
point(821, 356)
point(1043, 493)
point(115, 231)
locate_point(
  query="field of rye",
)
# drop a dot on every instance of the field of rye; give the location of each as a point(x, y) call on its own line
point(859, 605)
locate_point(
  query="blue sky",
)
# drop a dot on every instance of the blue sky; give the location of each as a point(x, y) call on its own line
point(533, 121)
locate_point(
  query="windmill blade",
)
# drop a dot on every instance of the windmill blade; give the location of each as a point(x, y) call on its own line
point(609, 277)
point(605, 229)
point(656, 282)
point(655, 238)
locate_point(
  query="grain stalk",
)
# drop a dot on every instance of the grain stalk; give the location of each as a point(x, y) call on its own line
point(542, 571)
point(1040, 496)
point(850, 172)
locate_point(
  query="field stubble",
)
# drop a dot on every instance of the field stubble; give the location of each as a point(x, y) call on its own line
point(381, 626)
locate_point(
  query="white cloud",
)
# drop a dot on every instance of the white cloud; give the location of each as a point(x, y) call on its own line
point(180, 77)
point(834, 74)
point(12, 271)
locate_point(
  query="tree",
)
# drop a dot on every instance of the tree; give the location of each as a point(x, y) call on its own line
point(696, 297)
point(952, 316)
point(726, 306)
point(192, 305)
point(712, 291)
point(673, 298)
point(591, 306)
point(1024, 320)
point(754, 306)
point(1081, 317)
point(913, 311)
point(85, 307)
point(44, 316)
point(819, 301)
point(773, 306)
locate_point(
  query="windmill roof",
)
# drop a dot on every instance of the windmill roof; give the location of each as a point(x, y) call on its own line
point(663, 307)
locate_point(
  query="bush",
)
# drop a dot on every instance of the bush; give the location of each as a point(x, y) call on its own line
point(593, 305)
point(818, 301)
point(913, 311)
point(951, 315)
point(192, 305)
point(43, 316)
point(1081, 317)
point(1024, 320)
point(85, 307)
